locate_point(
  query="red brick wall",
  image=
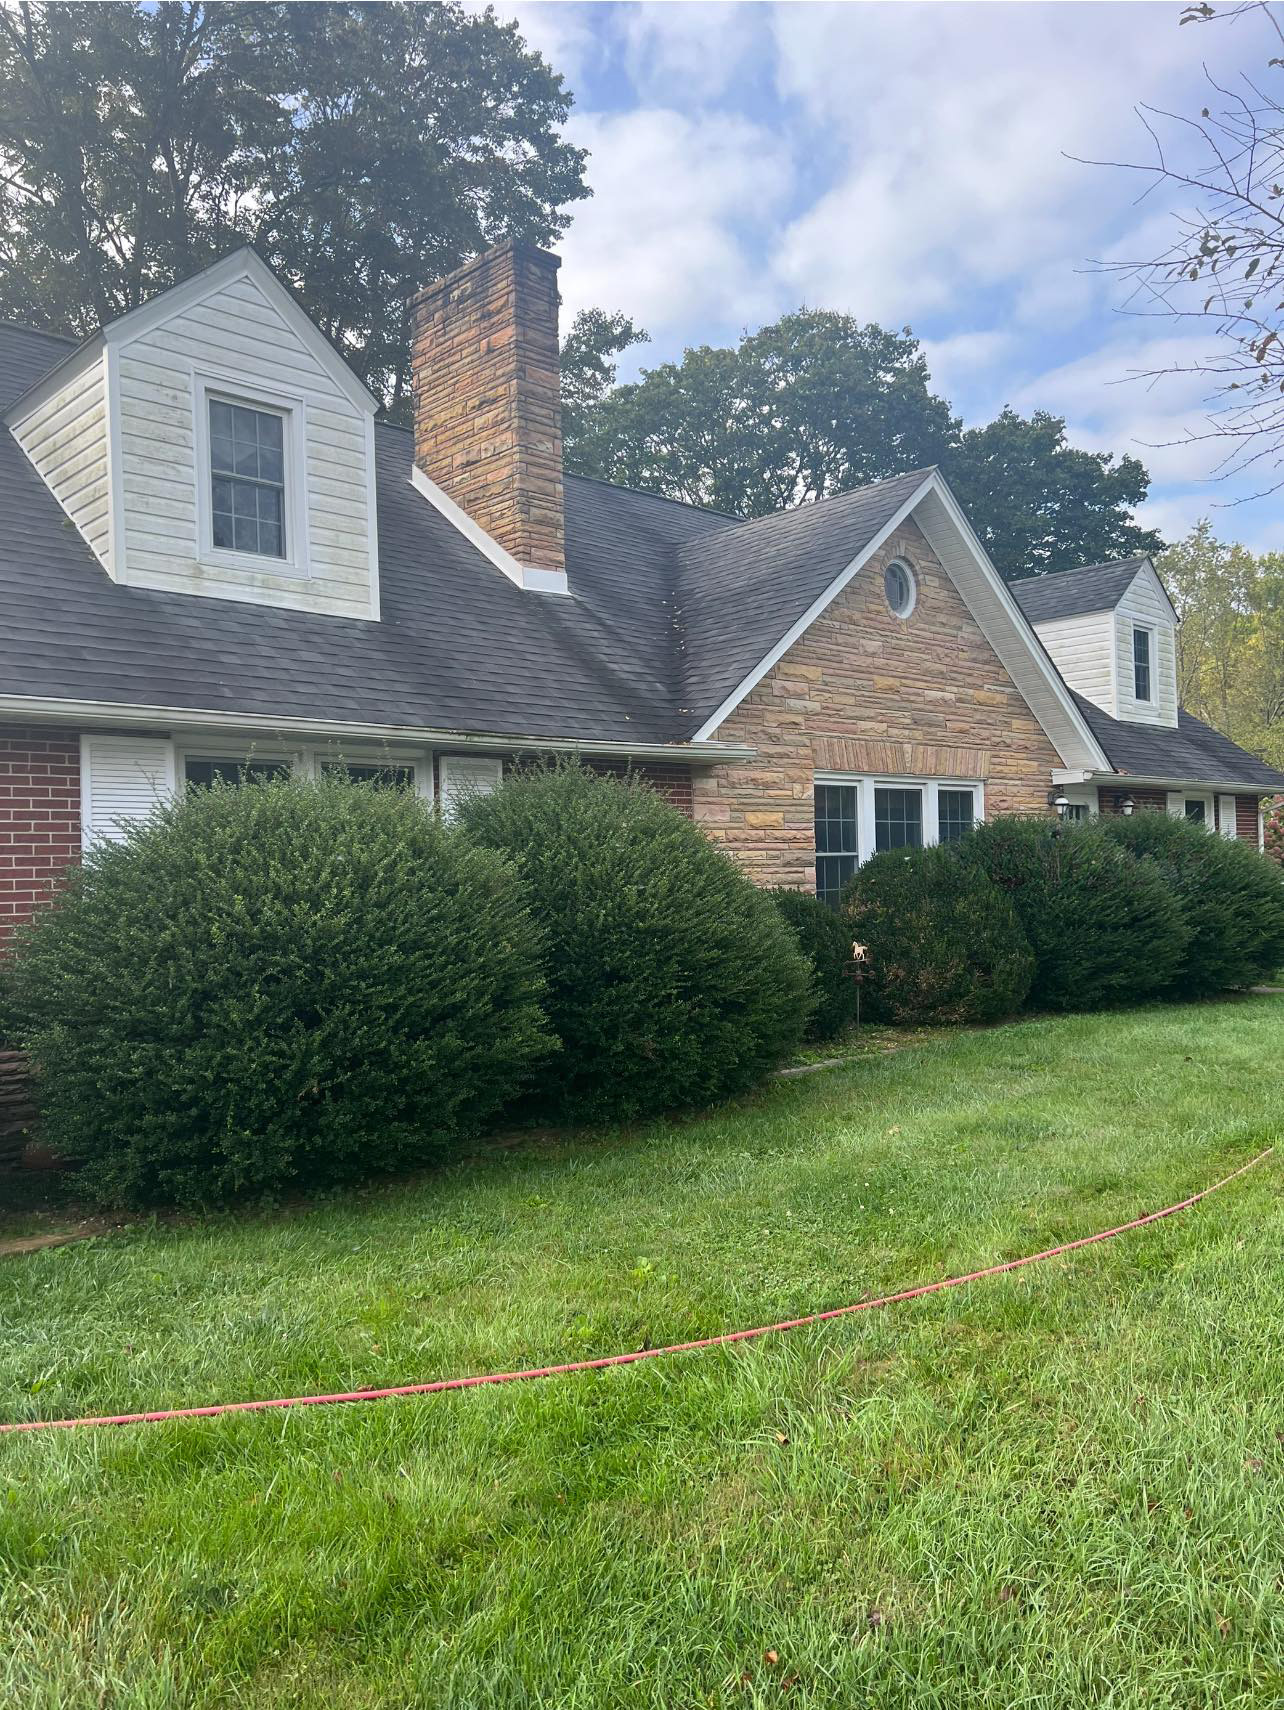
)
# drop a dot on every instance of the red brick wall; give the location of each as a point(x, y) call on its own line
point(671, 780)
point(39, 815)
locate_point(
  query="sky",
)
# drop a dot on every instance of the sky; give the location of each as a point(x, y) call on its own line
point(912, 164)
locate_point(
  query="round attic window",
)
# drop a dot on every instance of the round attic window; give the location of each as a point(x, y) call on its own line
point(898, 586)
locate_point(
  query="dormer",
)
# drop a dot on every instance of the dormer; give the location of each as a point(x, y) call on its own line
point(1111, 631)
point(213, 442)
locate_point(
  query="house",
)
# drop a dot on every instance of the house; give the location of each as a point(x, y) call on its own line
point(215, 557)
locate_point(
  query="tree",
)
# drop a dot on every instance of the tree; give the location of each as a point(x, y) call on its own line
point(1038, 503)
point(588, 364)
point(818, 404)
point(1224, 267)
point(813, 405)
point(364, 150)
point(1230, 647)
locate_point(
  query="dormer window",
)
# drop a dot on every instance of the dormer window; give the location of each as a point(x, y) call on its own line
point(1141, 662)
point(247, 479)
point(251, 460)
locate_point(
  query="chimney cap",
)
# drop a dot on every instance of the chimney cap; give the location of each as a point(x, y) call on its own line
point(516, 247)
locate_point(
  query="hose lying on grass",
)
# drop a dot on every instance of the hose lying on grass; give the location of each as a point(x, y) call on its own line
point(475, 1382)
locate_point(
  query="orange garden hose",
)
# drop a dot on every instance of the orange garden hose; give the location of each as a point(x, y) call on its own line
point(724, 1340)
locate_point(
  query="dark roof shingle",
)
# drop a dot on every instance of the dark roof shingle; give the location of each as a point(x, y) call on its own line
point(1067, 593)
point(1193, 753)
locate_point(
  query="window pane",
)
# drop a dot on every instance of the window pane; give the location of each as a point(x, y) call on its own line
point(1195, 811)
point(247, 486)
point(200, 772)
point(382, 777)
point(954, 814)
point(837, 854)
point(1141, 663)
point(832, 873)
point(898, 819)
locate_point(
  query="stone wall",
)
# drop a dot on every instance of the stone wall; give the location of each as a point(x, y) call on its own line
point(864, 691)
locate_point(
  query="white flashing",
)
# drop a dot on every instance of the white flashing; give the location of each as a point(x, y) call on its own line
point(524, 575)
point(804, 623)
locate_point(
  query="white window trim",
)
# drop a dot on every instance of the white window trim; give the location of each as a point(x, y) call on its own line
point(911, 582)
point(306, 760)
point(867, 782)
point(1177, 800)
point(1152, 655)
point(211, 383)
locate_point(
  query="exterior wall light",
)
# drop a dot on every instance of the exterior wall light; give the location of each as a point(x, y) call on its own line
point(1128, 805)
point(1061, 803)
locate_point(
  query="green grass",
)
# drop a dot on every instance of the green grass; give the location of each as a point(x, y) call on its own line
point(1059, 1488)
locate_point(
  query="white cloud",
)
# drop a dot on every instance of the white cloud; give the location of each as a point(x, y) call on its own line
point(569, 36)
point(676, 201)
point(696, 50)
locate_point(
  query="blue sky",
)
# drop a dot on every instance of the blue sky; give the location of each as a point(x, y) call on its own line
point(907, 163)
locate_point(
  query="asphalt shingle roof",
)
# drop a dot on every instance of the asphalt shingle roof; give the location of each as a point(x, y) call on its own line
point(1192, 753)
point(671, 608)
point(1067, 593)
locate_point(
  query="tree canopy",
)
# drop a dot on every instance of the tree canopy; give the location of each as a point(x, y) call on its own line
point(364, 150)
point(1230, 647)
point(817, 404)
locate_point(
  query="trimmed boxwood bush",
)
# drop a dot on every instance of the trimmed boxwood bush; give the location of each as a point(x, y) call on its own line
point(1104, 928)
point(945, 945)
point(1233, 900)
point(826, 942)
point(672, 980)
point(281, 984)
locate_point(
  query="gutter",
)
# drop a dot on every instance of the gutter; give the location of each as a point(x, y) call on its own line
point(1163, 781)
point(107, 715)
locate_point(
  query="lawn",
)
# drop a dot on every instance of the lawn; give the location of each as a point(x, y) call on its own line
point(1058, 1488)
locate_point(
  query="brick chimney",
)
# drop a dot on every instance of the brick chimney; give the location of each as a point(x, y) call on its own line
point(488, 420)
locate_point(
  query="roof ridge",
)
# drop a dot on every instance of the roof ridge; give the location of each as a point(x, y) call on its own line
point(1082, 569)
point(663, 498)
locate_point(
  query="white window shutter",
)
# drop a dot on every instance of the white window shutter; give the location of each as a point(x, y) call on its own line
point(464, 775)
point(1177, 804)
point(1226, 815)
point(121, 778)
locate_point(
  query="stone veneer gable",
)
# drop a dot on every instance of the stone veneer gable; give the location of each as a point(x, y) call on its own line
point(864, 691)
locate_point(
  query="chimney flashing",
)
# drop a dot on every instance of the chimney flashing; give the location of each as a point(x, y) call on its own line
point(524, 575)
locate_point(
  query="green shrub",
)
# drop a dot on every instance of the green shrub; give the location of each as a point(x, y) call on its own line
point(1233, 899)
point(672, 981)
point(1104, 928)
point(944, 945)
point(280, 984)
point(826, 942)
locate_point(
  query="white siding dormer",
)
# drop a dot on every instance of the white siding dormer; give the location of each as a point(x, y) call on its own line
point(1082, 649)
point(64, 433)
point(122, 435)
point(1146, 607)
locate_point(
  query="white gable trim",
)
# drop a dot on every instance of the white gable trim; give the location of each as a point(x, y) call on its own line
point(937, 512)
point(804, 623)
point(242, 264)
point(537, 581)
point(1152, 575)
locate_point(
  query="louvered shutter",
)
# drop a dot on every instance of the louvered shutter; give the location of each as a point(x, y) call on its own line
point(465, 775)
point(1226, 815)
point(122, 778)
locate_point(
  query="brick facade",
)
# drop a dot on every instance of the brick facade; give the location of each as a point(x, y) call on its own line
point(39, 816)
point(863, 691)
point(1111, 800)
point(487, 408)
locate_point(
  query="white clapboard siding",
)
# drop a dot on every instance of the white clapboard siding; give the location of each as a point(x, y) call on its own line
point(66, 439)
point(122, 778)
point(1080, 648)
point(464, 775)
point(1146, 603)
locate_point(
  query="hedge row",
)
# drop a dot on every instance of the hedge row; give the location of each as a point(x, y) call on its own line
point(289, 983)
point(1064, 917)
